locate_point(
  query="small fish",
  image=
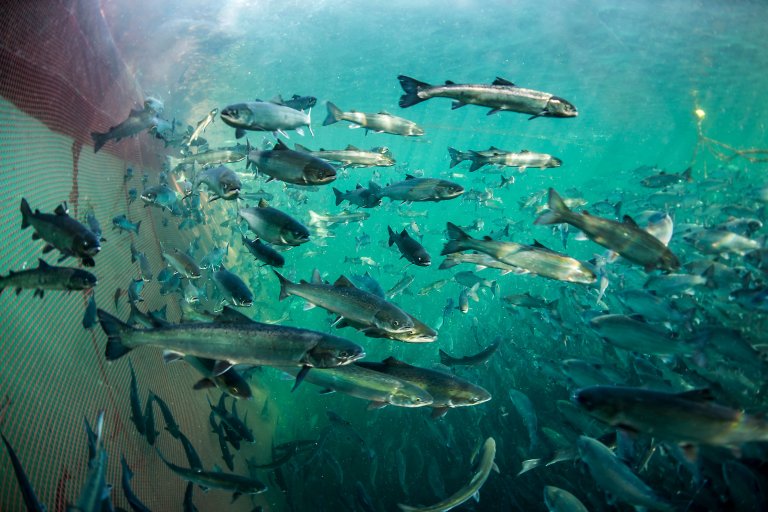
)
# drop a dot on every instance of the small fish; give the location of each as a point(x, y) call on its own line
point(383, 122)
point(137, 122)
point(239, 485)
point(297, 167)
point(95, 493)
point(130, 496)
point(222, 182)
point(625, 238)
point(663, 179)
point(161, 196)
point(134, 291)
point(233, 288)
point(485, 465)
point(410, 249)
point(48, 277)
point(122, 223)
point(264, 252)
point(264, 116)
point(502, 95)
point(296, 102)
point(89, 317)
point(274, 226)
point(201, 126)
point(31, 501)
point(418, 189)
point(61, 232)
point(359, 196)
point(93, 224)
point(471, 360)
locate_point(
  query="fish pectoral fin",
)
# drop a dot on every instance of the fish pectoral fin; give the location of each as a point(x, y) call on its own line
point(220, 367)
point(327, 391)
point(239, 133)
point(204, 383)
point(300, 377)
point(376, 405)
point(457, 104)
point(493, 111)
point(308, 306)
point(170, 356)
point(438, 412)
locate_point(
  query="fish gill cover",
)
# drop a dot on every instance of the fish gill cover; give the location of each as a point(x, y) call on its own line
point(507, 237)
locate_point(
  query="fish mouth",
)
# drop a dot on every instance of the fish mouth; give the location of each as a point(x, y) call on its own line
point(231, 194)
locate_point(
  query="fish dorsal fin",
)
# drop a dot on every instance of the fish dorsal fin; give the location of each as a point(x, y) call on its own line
point(450, 82)
point(629, 221)
point(410, 177)
point(487, 238)
point(358, 187)
point(393, 361)
point(61, 209)
point(232, 316)
point(316, 278)
point(350, 147)
point(263, 203)
point(404, 233)
point(43, 265)
point(524, 151)
point(493, 148)
point(540, 245)
point(697, 395)
point(502, 81)
point(344, 283)
point(280, 146)
point(384, 113)
point(299, 147)
point(277, 100)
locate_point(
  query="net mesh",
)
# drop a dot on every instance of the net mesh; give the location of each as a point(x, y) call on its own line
point(62, 78)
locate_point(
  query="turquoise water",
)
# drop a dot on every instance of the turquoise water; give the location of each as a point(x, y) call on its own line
point(635, 71)
point(638, 72)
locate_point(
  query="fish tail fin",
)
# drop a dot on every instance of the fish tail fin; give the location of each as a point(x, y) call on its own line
point(472, 292)
point(114, 328)
point(457, 240)
point(558, 211)
point(26, 212)
point(334, 114)
point(314, 218)
point(392, 236)
point(99, 139)
point(411, 87)
point(339, 196)
point(455, 157)
point(284, 284)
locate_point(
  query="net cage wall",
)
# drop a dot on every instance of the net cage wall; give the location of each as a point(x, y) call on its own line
point(61, 78)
